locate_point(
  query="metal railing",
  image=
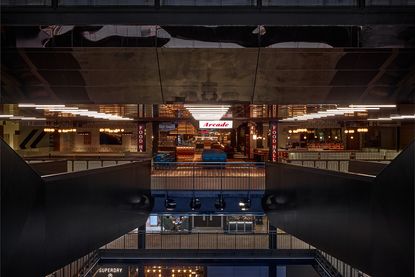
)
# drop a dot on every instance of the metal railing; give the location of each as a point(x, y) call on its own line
point(208, 176)
point(244, 3)
point(200, 240)
point(79, 267)
point(73, 164)
point(336, 160)
point(335, 265)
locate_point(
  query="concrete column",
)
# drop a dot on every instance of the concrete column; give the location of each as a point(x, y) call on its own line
point(142, 237)
point(272, 271)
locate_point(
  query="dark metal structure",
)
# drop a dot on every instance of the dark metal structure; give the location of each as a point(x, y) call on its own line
point(365, 221)
point(355, 14)
point(150, 75)
point(48, 222)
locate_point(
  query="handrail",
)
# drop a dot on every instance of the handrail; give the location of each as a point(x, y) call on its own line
point(257, 3)
point(202, 163)
point(340, 267)
point(207, 240)
point(208, 176)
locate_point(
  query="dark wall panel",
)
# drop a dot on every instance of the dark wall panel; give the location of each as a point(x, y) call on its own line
point(393, 217)
point(49, 222)
point(366, 167)
point(22, 212)
point(327, 209)
point(366, 222)
point(49, 167)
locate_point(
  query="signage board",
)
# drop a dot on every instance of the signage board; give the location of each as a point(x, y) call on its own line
point(167, 126)
point(215, 124)
point(274, 141)
point(111, 271)
point(141, 137)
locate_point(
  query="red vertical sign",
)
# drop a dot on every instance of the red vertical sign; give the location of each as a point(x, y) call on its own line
point(274, 141)
point(141, 137)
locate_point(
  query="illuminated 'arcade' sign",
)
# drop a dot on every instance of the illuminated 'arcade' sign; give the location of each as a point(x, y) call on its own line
point(215, 124)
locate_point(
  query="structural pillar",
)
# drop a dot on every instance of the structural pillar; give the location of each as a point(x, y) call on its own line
point(272, 270)
point(142, 237)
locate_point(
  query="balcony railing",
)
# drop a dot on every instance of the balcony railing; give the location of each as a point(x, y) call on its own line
point(207, 3)
point(78, 267)
point(337, 160)
point(208, 176)
point(339, 266)
point(207, 241)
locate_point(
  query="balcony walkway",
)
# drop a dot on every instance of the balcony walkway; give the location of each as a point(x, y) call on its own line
point(208, 176)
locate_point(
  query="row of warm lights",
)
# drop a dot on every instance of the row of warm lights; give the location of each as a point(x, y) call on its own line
point(338, 111)
point(190, 272)
point(52, 130)
point(359, 130)
point(66, 130)
point(207, 112)
point(14, 117)
point(297, 131)
point(173, 275)
point(108, 130)
point(255, 137)
point(305, 137)
point(393, 117)
point(173, 270)
point(74, 111)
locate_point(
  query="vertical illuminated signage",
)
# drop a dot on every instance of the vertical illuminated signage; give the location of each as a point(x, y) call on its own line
point(141, 137)
point(274, 141)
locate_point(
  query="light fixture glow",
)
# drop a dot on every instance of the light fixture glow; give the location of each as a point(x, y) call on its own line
point(75, 111)
point(207, 112)
point(351, 109)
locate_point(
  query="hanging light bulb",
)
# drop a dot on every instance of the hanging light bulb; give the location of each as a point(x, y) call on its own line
point(220, 203)
point(170, 204)
point(195, 204)
point(245, 204)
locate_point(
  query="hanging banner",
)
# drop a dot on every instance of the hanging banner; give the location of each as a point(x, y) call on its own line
point(274, 141)
point(141, 137)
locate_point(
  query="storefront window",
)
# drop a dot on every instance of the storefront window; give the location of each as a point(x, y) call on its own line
point(166, 223)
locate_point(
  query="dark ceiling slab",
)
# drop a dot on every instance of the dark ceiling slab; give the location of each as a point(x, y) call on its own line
point(228, 16)
point(261, 75)
point(293, 95)
point(208, 74)
point(369, 60)
point(53, 60)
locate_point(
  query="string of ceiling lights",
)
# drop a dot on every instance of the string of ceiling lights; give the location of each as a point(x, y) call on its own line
point(207, 112)
point(16, 117)
point(351, 109)
point(75, 111)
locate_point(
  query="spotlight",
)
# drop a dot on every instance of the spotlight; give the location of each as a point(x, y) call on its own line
point(141, 202)
point(245, 204)
point(170, 204)
point(275, 202)
point(195, 204)
point(220, 203)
